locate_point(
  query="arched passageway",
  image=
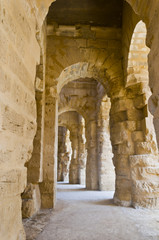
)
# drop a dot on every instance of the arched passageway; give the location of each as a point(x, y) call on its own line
point(87, 96)
point(95, 47)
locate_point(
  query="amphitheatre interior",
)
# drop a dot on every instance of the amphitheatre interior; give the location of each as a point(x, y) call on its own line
point(79, 104)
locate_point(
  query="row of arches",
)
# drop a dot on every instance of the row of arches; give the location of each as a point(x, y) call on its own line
point(112, 110)
point(133, 131)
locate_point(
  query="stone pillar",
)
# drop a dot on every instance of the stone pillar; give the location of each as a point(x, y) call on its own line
point(64, 154)
point(48, 186)
point(144, 165)
point(67, 156)
point(122, 123)
point(34, 166)
point(31, 196)
point(105, 155)
point(74, 165)
point(61, 152)
point(92, 182)
point(135, 149)
point(82, 153)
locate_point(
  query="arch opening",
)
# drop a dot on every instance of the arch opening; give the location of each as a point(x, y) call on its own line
point(89, 97)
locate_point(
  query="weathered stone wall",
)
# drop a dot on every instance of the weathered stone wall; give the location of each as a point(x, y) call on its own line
point(19, 55)
point(142, 188)
point(35, 171)
point(35, 164)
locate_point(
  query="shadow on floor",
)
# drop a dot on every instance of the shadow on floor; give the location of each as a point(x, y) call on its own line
point(71, 189)
point(107, 202)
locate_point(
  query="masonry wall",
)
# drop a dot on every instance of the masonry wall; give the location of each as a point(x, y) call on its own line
point(19, 55)
point(143, 152)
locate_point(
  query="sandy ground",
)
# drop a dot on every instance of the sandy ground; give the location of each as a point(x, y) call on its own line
point(91, 215)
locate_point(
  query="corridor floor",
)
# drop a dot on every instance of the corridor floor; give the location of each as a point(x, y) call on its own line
point(91, 215)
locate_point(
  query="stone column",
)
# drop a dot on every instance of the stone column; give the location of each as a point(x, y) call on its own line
point(123, 122)
point(105, 155)
point(144, 164)
point(135, 149)
point(82, 153)
point(34, 166)
point(92, 182)
point(61, 152)
point(48, 186)
point(67, 156)
point(74, 165)
point(31, 197)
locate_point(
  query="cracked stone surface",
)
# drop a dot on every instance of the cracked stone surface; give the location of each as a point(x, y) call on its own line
point(91, 215)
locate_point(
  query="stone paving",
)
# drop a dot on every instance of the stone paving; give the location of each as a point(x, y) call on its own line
point(91, 215)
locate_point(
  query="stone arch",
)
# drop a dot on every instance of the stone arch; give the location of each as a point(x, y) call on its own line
point(69, 108)
point(78, 71)
point(96, 58)
point(99, 127)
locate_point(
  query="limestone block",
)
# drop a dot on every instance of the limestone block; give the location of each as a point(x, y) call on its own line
point(145, 173)
point(145, 148)
point(136, 89)
point(118, 117)
point(122, 105)
point(143, 160)
point(82, 176)
point(31, 200)
point(145, 186)
point(138, 136)
point(27, 208)
point(74, 173)
point(145, 202)
point(121, 161)
point(122, 194)
point(135, 115)
point(13, 121)
point(10, 212)
point(131, 125)
point(12, 181)
point(140, 101)
point(126, 148)
point(119, 135)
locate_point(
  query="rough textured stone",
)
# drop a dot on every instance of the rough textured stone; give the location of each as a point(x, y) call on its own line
point(29, 103)
point(31, 203)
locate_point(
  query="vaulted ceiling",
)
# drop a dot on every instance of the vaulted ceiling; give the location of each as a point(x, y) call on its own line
point(104, 13)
